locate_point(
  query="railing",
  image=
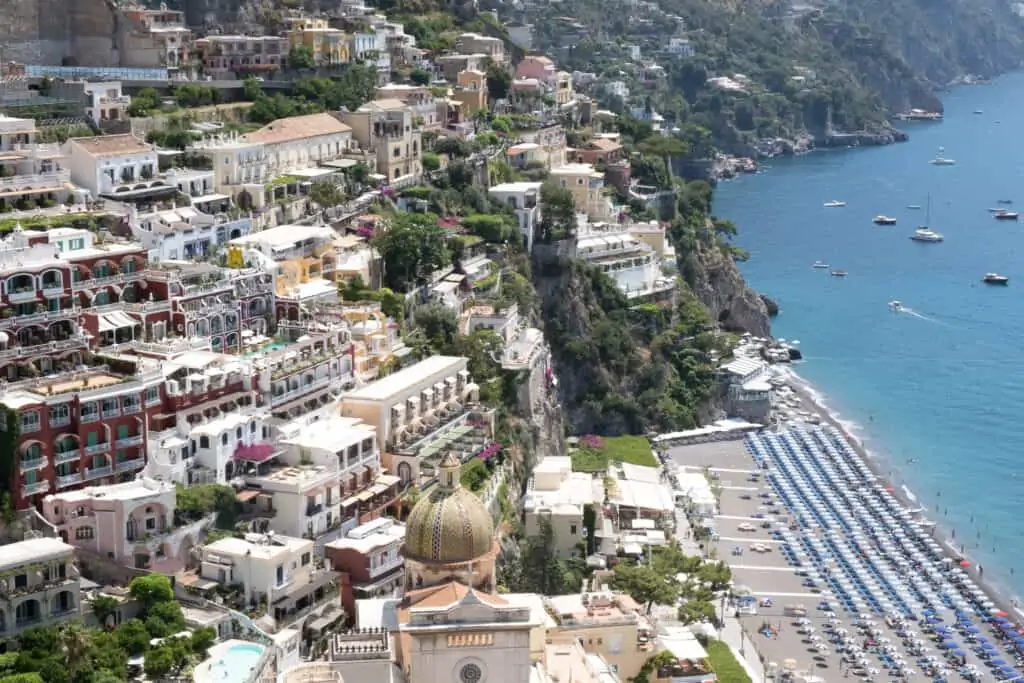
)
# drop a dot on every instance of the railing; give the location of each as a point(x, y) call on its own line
point(75, 342)
point(129, 441)
point(96, 448)
point(130, 465)
point(110, 413)
point(119, 279)
point(22, 295)
point(380, 570)
point(98, 472)
point(38, 487)
point(34, 463)
point(301, 391)
point(68, 456)
point(36, 180)
point(69, 480)
point(132, 408)
point(45, 317)
point(90, 417)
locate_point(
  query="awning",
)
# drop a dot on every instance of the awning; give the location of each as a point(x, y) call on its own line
point(378, 489)
point(351, 500)
point(388, 479)
point(246, 496)
point(364, 496)
point(116, 320)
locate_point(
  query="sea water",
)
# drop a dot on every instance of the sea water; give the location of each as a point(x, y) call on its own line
point(936, 392)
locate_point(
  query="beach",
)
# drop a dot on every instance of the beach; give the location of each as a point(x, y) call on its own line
point(750, 537)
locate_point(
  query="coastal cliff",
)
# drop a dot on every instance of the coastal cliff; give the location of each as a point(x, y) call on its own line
point(716, 281)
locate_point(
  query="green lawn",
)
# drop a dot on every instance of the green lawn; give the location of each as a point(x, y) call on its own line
point(724, 663)
point(635, 450)
point(44, 222)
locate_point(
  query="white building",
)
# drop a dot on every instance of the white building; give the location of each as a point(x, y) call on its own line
point(44, 586)
point(277, 569)
point(110, 165)
point(524, 199)
point(286, 242)
point(106, 101)
point(632, 263)
point(557, 494)
point(185, 232)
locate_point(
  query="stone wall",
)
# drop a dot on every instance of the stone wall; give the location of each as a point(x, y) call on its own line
point(53, 32)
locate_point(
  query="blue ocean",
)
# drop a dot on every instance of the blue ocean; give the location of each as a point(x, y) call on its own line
point(935, 391)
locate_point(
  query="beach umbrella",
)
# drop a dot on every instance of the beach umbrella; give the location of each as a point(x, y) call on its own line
point(999, 614)
point(999, 662)
point(973, 629)
point(988, 646)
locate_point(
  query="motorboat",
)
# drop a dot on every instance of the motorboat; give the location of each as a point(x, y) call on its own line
point(884, 220)
point(820, 264)
point(839, 273)
point(1004, 215)
point(978, 111)
point(995, 279)
point(941, 160)
point(834, 204)
point(895, 306)
point(914, 206)
point(1004, 201)
point(926, 235)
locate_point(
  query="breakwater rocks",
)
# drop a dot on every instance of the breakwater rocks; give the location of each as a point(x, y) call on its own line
point(770, 306)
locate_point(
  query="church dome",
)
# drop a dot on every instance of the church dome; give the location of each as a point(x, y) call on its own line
point(450, 525)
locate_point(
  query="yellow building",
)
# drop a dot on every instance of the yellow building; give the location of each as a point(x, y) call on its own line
point(586, 186)
point(329, 45)
point(471, 91)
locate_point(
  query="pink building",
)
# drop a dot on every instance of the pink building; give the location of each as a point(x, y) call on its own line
point(132, 523)
point(539, 68)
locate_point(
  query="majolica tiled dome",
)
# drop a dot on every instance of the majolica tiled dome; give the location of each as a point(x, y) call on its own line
point(450, 525)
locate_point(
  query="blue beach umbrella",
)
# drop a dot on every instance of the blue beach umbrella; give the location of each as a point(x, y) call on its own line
point(999, 662)
point(959, 653)
point(973, 629)
point(988, 646)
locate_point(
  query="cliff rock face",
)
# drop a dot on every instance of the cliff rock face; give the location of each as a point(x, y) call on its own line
point(717, 282)
point(53, 32)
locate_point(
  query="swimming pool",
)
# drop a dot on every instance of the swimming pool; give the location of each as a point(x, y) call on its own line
point(232, 661)
point(274, 346)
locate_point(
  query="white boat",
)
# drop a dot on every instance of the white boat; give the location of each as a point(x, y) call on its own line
point(940, 160)
point(926, 235)
point(820, 264)
point(884, 220)
point(995, 279)
point(913, 206)
point(895, 306)
point(1004, 215)
point(835, 203)
point(839, 273)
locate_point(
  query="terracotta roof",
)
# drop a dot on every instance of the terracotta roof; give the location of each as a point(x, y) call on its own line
point(603, 144)
point(110, 145)
point(298, 128)
point(442, 596)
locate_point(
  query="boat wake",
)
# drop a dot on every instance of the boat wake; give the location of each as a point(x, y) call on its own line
point(921, 316)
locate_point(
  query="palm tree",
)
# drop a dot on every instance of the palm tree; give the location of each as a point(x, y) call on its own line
point(103, 608)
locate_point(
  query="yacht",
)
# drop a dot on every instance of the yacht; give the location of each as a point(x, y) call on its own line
point(820, 264)
point(884, 220)
point(995, 279)
point(926, 235)
point(839, 273)
point(1004, 215)
point(940, 160)
point(895, 306)
point(835, 203)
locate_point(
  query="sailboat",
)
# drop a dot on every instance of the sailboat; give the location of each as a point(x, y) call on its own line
point(923, 232)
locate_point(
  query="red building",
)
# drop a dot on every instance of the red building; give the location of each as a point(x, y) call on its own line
point(368, 561)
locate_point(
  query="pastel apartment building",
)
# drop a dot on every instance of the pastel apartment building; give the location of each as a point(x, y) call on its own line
point(600, 151)
point(279, 570)
point(132, 523)
point(414, 408)
point(330, 46)
point(587, 188)
point(42, 586)
point(389, 129)
point(154, 38)
point(33, 173)
point(47, 279)
point(428, 110)
point(524, 200)
point(106, 101)
point(368, 561)
point(120, 167)
point(471, 91)
point(228, 57)
point(474, 43)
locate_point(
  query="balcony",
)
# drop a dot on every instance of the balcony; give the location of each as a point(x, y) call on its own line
point(314, 509)
point(98, 472)
point(23, 295)
point(36, 181)
point(90, 417)
point(33, 489)
point(124, 100)
point(33, 464)
point(97, 282)
point(387, 567)
point(130, 408)
point(111, 412)
point(97, 448)
point(69, 480)
point(129, 441)
point(46, 317)
point(53, 289)
point(70, 344)
point(131, 465)
point(68, 456)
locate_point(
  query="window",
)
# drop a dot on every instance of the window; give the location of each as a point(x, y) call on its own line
point(59, 415)
point(572, 529)
point(110, 406)
point(150, 523)
point(224, 439)
point(204, 442)
point(152, 395)
point(305, 559)
point(84, 533)
point(78, 243)
point(471, 673)
point(30, 421)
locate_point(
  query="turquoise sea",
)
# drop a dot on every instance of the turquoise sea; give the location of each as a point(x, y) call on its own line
point(938, 391)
